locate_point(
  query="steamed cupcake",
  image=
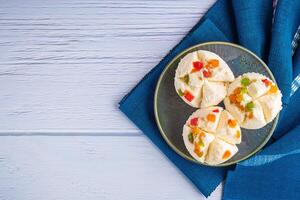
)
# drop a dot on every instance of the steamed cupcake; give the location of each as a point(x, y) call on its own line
point(211, 134)
point(202, 78)
point(254, 100)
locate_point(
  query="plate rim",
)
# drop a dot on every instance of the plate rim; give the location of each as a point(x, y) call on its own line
point(173, 147)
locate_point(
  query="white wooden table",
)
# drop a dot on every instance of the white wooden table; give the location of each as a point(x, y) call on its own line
point(64, 66)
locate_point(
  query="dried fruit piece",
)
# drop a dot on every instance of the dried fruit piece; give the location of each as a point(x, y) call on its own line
point(197, 150)
point(273, 89)
point(226, 154)
point(245, 81)
point(239, 98)
point(206, 73)
point(250, 115)
point(249, 106)
point(186, 79)
point(188, 96)
point(197, 66)
point(266, 82)
point(213, 63)
point(243, 90)
point(191, 137)
point(195, 131)
point(238, 134)
point(232, 123)
point(202, 135)
point(194, 121)
point(211, 117)
point(180, 92)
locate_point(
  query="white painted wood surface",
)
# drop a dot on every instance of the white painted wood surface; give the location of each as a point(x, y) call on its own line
point(62, 167)
point(64, 66)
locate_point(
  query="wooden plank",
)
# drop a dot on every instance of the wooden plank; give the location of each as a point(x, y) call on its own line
point(83, 167)
point(64, 65)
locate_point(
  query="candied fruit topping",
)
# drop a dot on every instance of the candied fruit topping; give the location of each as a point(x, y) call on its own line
point(188, 96)
point(226, 154)
point(202, 135)
point(206, 73)
point(232, 123)
point(216, 110)
point(195, 131)
point(194, 121)
point(213, 63)
point(186, 79)
point(197, 66)
point(238, 134)
point(273, 89)
point(250, 106)
point(266, 82)
point(250, 115)
point(197, 150)
point(191, 138)
point(200, 142)
point(211, 117)
point(245, 81)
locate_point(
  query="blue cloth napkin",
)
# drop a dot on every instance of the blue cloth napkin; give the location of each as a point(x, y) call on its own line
point(248, 23)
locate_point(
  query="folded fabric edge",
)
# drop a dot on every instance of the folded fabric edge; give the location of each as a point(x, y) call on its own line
point(128, 106)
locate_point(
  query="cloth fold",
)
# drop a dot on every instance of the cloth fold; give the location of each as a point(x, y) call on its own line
point(251, 24)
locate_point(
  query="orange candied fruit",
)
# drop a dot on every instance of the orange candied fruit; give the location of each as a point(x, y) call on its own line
point(238, 134)
point(273, 89)
point(226, 154)
point(213, 63)
point(237, 90)
point(250, 116)
point(202, 135)
point(197, 150)
point(232, 98)
point(211, 117)
point(232, 123)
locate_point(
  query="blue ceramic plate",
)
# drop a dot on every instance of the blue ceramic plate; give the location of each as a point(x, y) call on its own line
point(171, 112)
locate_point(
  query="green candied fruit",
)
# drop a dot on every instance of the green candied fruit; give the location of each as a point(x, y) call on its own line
point(249, 106)
point(245, 81)
point(191, 138)
point(180, 92)
point(186, 79)
point(201, 143)
point(244, 90)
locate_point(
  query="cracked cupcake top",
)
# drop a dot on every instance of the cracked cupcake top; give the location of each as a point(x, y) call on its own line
point(254, 100)
point(201, 79)
point(211, 134)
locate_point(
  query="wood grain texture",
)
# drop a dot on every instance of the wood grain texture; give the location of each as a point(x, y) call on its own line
point(78, 168)
point(66, 64)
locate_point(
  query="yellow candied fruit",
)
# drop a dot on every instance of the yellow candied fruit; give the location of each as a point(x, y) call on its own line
point(226, 154)
point(195, 131)
point(239, 98)
point(211, 117)
point(238, 134)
